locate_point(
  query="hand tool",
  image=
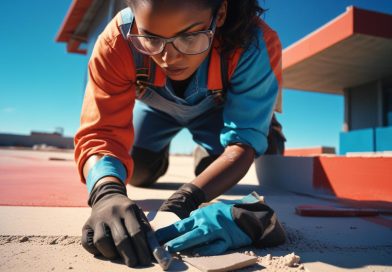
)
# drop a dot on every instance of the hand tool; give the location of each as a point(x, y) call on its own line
point(161, 255)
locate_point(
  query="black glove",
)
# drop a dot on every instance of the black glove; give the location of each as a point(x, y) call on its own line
point(116, 226)
point(186, 199)
point(260, 223)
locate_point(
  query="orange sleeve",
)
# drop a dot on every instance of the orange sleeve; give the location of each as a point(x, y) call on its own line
point(274, 48)
point(106, 118)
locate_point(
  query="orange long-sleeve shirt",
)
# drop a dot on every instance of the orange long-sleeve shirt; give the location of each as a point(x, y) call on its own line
point(106, 118)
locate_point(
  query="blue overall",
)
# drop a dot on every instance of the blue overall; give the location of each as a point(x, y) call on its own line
point(159, 115)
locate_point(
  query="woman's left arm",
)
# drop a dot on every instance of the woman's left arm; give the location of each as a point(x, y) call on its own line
point(225, 171)
point(250, 102)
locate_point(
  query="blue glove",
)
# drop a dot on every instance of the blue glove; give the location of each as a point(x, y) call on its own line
point(210, 230)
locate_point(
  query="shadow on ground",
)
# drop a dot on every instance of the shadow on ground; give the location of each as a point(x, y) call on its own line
point(239, 189)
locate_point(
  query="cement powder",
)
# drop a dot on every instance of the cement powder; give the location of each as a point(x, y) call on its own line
point(65, 253)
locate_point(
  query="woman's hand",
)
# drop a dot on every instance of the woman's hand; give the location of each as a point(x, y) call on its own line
point(216, 228)
point(185, 200)
point(210, 230)
point(117, 226)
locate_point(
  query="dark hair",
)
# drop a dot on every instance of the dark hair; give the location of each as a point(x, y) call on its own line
point(239, 28)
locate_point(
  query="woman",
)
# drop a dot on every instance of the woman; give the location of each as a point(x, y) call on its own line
point(210, 66)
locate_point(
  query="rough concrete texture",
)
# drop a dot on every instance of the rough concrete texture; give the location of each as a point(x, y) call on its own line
point(57, 253)
point(48, 239)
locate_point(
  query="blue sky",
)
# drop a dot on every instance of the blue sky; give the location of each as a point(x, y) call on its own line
point(41, 85)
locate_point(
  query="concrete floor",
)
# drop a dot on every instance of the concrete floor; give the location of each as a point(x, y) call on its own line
point(324, 244)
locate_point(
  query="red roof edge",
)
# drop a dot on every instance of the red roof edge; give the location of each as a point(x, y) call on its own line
point(334, 31)
point(383, 27)
point(72, 20)
point(354, 20)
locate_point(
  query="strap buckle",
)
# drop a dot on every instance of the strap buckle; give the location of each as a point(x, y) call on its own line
point(219, 96)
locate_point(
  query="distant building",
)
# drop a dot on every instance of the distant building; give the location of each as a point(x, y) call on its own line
point(39, 140)
point(350, 56)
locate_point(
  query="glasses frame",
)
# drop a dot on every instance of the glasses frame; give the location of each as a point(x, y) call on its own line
point(209, 32)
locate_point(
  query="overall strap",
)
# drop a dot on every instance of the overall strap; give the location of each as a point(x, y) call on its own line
point(214, 79)
point(220, 70)
point(224, 62)
point(144, 66)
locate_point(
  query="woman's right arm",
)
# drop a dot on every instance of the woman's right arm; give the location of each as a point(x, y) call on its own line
point(106, 117)
point(116, 226)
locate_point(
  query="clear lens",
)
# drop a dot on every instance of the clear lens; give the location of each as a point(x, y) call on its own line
point(193, 43)
point(149, 45)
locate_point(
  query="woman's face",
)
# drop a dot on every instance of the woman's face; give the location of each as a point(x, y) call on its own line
point(168, 22)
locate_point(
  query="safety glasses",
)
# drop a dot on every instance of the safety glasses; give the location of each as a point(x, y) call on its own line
point(192, 43)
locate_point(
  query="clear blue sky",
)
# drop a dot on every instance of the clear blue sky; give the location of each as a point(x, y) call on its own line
point(41, 86)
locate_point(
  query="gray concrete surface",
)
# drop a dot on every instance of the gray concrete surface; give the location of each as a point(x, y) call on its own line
point(324, 244)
